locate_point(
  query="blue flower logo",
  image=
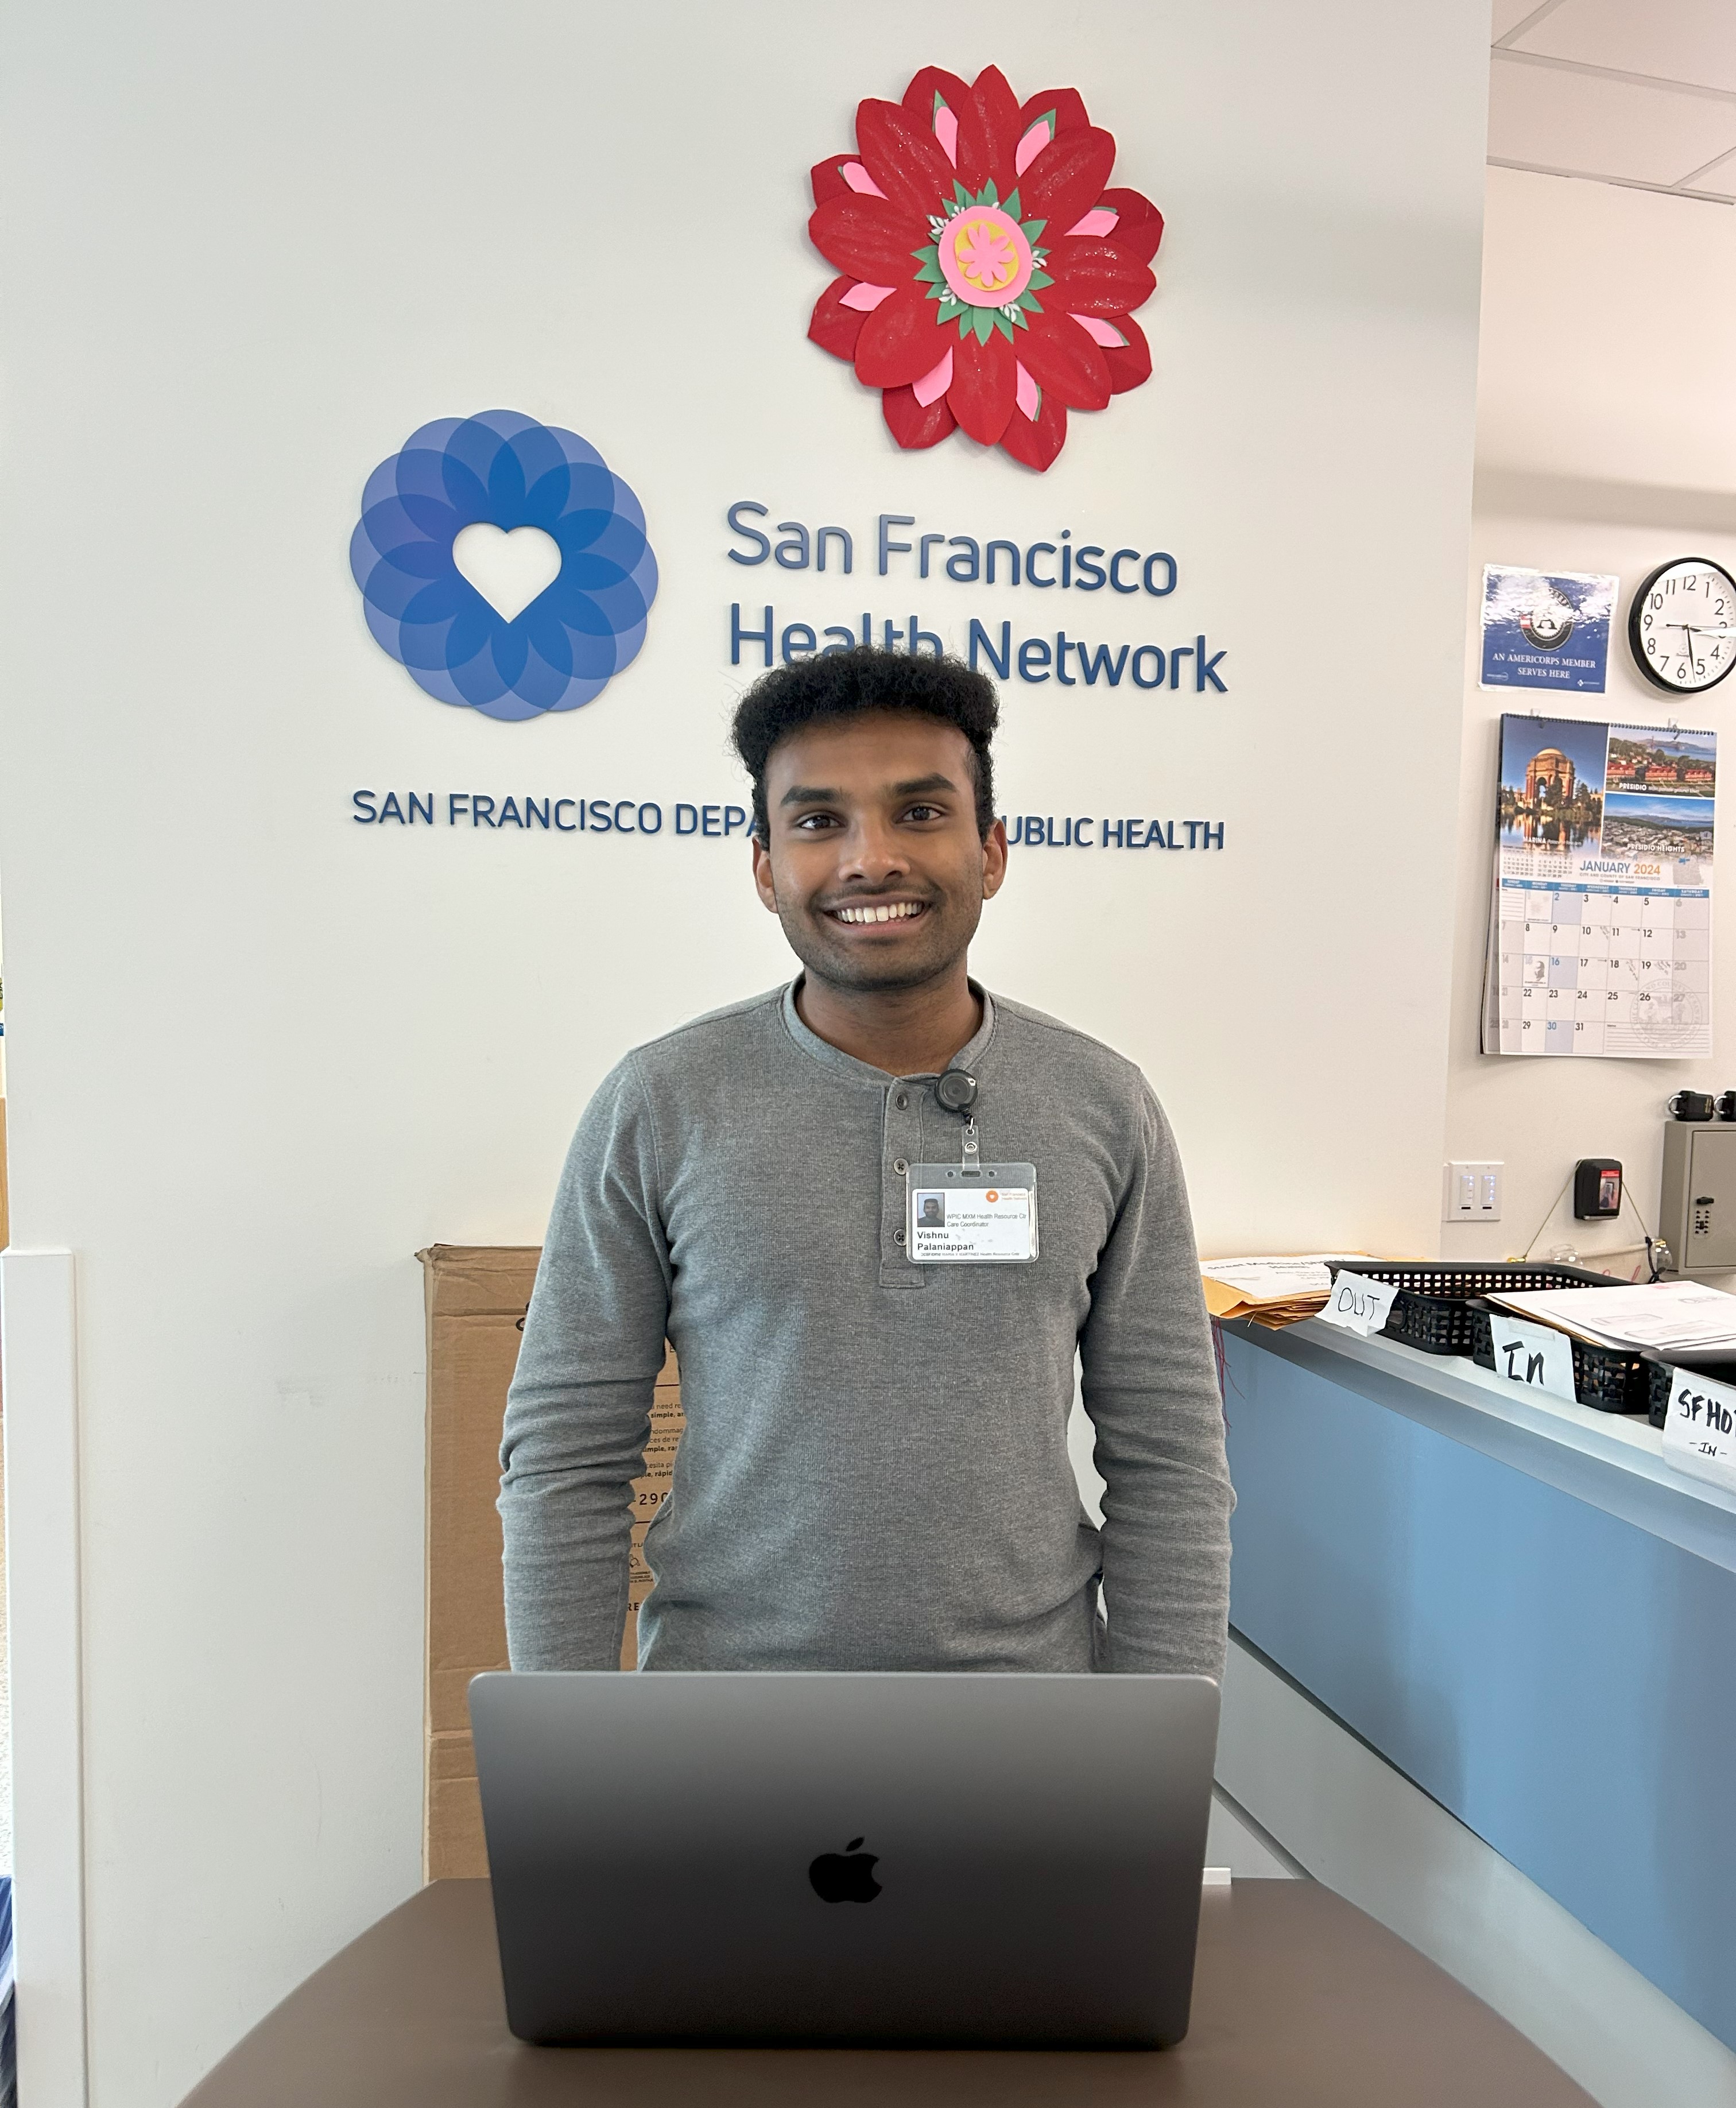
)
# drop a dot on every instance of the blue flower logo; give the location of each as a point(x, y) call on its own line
point(448, 515)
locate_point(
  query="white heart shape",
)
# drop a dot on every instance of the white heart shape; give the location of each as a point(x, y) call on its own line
point(508, 570)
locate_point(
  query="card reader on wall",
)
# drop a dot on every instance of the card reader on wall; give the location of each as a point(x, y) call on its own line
point(1597, 1188)
point(1699, 1219)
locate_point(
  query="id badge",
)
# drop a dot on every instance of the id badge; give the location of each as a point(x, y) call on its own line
point(986, 1217)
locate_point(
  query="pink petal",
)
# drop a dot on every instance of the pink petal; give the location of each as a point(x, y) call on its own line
point(1032, 144)
point(1093, 326)
point(946, 131)
point(1098, 221)
point(1029, 396)
point(866, 297)
point(859, 179)
point(935, 383)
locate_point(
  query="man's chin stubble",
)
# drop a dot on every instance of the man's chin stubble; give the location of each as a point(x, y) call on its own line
point(863, 976)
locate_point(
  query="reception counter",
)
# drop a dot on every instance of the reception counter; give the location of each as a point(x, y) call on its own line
point(1298, 1999)
point(1522, 1607)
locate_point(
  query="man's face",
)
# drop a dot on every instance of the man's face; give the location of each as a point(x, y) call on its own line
point(875, 868)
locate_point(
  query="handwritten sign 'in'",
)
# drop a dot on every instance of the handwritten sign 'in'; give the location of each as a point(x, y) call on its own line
point(1359, 1304)
point(1534, 1355)
point(1700, 1429)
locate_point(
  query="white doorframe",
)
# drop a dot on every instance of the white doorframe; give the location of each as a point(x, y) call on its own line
point(38, 1324)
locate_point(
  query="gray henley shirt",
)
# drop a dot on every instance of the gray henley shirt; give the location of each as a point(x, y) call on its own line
point(875, 1473)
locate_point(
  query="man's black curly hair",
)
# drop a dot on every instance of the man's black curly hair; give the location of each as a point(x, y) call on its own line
point(847, 684)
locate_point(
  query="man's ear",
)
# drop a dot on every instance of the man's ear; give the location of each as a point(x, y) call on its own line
point(767, 892)
point(994, 859)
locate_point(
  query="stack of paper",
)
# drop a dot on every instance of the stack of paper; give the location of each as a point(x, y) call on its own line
point(1662, 1317)
point(1271, 1292)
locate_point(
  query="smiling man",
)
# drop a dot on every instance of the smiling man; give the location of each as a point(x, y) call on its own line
point(875, 1472)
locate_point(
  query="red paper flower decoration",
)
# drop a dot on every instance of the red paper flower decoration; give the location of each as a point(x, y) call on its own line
point(989, 277)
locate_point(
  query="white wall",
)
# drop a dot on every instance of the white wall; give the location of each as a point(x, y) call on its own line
point(260, 1054)
point(1606, 442)
point(1608, 334)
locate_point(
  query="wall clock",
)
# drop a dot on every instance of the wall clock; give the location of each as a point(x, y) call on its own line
point(1681, 628)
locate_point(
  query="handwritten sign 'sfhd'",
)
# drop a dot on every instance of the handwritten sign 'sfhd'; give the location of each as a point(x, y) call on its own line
point(1700, 1428)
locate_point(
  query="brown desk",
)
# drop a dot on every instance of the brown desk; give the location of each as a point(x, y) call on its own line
point(1299, 2001)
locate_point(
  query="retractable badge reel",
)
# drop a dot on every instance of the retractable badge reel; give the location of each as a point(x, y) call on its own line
point(970, 1212)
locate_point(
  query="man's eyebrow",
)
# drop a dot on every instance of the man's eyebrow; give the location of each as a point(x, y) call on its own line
point(809, 793)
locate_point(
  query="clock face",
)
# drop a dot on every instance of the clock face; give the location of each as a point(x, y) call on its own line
point(1682, 626)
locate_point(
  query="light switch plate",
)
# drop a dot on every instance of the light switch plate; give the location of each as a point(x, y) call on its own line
point(1471, 1190)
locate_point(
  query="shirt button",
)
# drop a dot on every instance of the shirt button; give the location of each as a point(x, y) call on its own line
point(900, 1166)
point(898, 1236)
point(902, 1101)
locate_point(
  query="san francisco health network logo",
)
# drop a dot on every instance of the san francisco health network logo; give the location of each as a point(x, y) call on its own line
point(504, 565)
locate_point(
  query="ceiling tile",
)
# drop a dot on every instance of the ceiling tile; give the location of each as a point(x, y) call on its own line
point(1507, 15)
point(1551, 118)
point(1691, 40)
point(1719, 180)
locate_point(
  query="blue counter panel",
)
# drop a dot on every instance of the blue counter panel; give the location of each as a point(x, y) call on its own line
point(1562, 1680)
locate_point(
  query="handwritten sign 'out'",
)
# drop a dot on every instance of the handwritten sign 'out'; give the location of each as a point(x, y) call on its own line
point(1358, 1304)
point(1700, 1429)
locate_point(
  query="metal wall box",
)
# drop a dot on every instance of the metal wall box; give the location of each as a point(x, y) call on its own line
point(1699, 1195)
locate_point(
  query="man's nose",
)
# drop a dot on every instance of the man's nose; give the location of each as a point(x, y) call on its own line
point(875, 853)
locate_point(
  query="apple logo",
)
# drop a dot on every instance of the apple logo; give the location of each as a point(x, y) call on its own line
point(846, 1876)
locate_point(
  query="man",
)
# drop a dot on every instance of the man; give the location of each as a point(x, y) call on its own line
point(875, 1473)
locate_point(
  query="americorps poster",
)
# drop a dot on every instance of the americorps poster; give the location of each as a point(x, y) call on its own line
point(1600, 930)
point(1546, 629)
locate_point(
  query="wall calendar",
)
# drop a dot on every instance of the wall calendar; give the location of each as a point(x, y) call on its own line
point(1600, 928)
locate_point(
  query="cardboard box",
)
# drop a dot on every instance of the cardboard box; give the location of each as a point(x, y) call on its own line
point(476, 1296)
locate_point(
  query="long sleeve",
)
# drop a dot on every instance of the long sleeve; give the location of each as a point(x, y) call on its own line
point(1150, 1387)
point(579, 1411)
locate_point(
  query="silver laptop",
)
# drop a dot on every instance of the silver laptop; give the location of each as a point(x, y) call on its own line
point(846, 1858)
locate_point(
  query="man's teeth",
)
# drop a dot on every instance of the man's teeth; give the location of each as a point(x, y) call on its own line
point(901, 911)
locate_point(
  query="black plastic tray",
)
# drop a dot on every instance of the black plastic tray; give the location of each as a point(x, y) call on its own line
point(1609, 1378)
point(1432, 1310)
